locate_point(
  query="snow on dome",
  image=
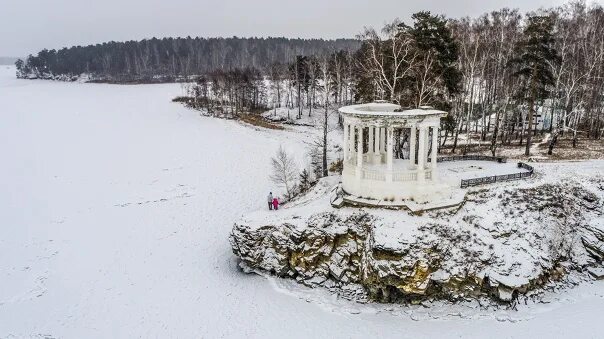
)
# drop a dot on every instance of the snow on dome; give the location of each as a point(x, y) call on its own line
point(384, 108)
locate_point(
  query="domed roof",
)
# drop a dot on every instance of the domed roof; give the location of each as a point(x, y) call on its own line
point(382, 108)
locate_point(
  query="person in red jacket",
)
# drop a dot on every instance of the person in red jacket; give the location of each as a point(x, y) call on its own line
point(275, 203)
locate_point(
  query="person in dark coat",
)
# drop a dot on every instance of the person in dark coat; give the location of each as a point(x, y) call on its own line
point(270, 201)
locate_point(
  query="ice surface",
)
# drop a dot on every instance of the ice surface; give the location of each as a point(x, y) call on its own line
point(115, 211)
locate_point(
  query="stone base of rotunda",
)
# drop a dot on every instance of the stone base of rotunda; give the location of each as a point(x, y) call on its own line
point(413, 195)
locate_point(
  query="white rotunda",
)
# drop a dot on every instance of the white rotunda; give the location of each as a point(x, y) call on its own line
point(372, 171)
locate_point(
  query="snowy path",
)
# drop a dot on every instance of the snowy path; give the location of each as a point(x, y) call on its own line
point(115, 209)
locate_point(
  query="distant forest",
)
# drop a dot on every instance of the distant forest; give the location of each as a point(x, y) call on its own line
point(7, 60)
point(503, 76)
point(169, 59)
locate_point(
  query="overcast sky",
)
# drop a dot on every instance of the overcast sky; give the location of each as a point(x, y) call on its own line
point(26, 26)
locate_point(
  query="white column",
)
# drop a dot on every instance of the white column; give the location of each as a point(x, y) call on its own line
point(359, 149)
point(370, 141)
point(427, 143)
point(351, 136)
point(376, 140)
point(374, 146)
point(389, 152)
point(421, 154)
point(346, 141)
point(350, 140)
point(412, 146)
point(434, 145)
point(382, 140)
point(434, 152)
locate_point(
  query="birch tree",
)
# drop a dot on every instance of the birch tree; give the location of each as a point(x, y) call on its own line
point(284, 172)
point(388, 58)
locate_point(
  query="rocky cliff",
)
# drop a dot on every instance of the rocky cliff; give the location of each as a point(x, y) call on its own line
point(504, 241)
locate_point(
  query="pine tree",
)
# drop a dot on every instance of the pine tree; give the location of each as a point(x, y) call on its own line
point(535, 53)
point(19, 64)
point(437, 76)
point(304, 181)
point(316, 161)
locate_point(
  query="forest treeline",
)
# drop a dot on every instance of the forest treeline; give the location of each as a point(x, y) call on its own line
point(503, 76)
point(169, 59)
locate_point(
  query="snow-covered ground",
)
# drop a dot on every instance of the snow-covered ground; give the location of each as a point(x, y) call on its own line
point(115, 211)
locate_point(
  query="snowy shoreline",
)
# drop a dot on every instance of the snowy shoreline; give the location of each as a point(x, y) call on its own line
point(115, 225)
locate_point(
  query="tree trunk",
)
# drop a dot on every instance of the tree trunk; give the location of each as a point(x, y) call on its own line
point(444, 138)
point(532, 99)
point(457, 130)
point(299, 101)
point(575, 134)
point(325, 127)
point(496, 129)
point(551, 115)
point(552, 143)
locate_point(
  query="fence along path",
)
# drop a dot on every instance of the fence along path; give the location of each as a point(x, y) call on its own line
point(492, 178)
point(499, 178)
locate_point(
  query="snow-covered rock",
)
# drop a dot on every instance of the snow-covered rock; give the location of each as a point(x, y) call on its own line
point(505, 240)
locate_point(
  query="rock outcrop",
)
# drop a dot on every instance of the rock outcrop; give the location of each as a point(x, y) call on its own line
point(503, 242)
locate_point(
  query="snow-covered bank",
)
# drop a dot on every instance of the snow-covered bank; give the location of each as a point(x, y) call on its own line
point(506, 240)
point(115, 211)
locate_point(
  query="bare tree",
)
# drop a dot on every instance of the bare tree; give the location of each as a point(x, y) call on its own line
point(389, 59)
point(285, 172)
point(327, 89)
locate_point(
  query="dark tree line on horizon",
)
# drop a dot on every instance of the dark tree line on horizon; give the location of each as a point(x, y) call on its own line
point(504, 77)
point(172, 58)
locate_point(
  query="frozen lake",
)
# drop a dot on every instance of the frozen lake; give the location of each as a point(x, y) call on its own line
point(115, 211)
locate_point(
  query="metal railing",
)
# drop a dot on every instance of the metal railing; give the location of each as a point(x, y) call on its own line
point(465, 183)
point(471, 157)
